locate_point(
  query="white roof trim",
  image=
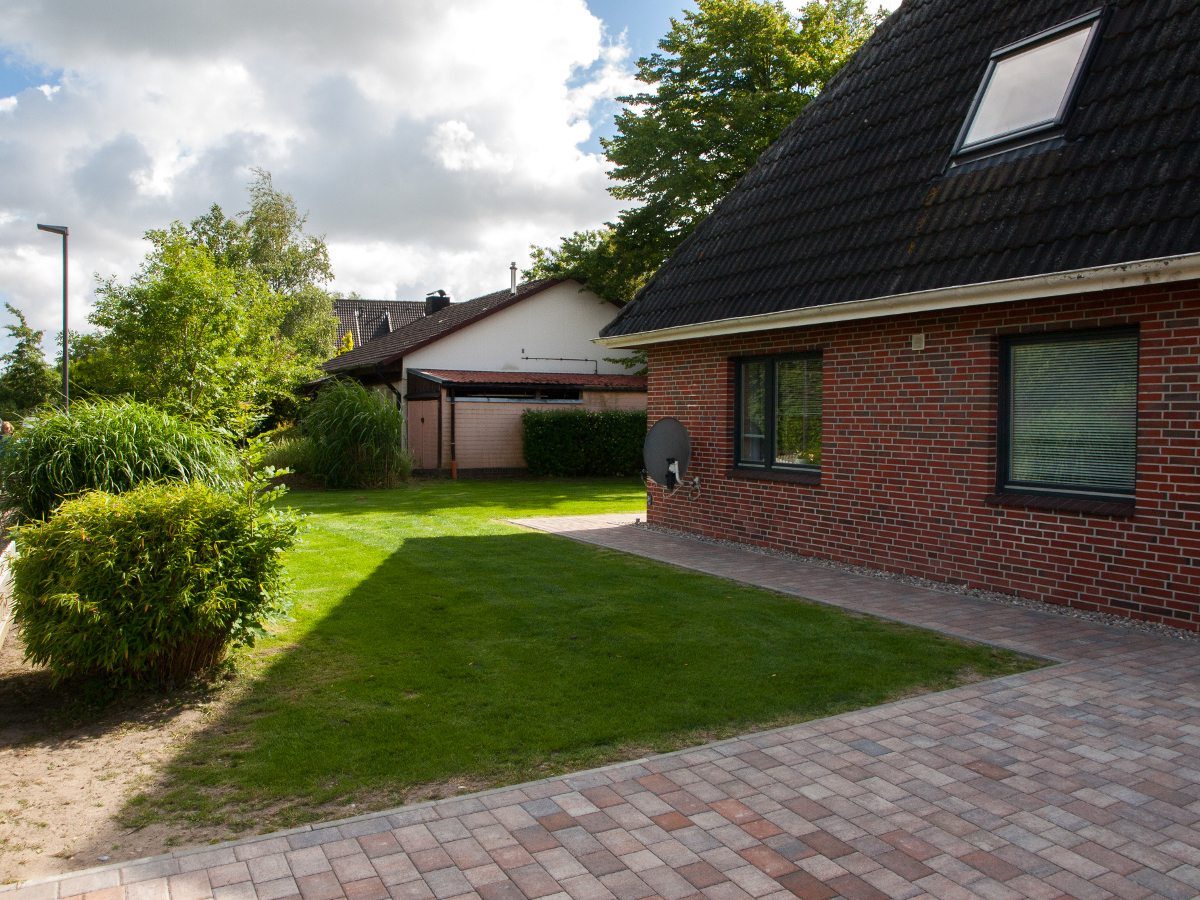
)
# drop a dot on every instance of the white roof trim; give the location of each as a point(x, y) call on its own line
point(1077, 281)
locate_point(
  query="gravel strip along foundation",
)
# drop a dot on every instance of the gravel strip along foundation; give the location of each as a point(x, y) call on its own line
point(1057, 609)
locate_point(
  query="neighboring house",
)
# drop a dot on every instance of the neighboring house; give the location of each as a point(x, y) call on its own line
point(366, 320)
point(464, 373)
point(949, 323)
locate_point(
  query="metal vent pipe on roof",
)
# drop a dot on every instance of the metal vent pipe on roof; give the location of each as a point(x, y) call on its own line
point(512, 273)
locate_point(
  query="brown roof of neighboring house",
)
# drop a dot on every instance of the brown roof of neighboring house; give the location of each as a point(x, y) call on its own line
point(371, 319)
point(540, 379)
point(427, 329)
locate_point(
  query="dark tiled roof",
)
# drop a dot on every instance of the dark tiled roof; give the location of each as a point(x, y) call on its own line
point(375, 317)
point(854, 201)
point(428, 329)
point(538, 379)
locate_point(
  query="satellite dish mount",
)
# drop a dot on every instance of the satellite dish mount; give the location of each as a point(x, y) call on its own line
point(667, 453)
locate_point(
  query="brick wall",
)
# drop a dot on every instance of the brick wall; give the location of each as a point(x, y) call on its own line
point(909, 454)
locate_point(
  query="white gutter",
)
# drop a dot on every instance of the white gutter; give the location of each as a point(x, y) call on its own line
point(1101, 278)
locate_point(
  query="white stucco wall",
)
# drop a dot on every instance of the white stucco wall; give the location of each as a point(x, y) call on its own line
point(559, 322)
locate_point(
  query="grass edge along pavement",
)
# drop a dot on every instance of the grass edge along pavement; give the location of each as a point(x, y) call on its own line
point(359, 825)
point(550, 656)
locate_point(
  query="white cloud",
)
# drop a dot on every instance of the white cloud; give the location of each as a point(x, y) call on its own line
point(432, 140)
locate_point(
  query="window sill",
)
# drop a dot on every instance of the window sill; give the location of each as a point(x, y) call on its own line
point(773, 475)
point(1119, 508)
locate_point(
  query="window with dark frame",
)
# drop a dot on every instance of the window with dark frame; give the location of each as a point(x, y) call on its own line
point(1068, 414)
point(1029, 86)
point(778, 414)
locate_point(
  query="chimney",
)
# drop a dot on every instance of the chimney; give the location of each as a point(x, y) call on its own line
point(512, 275)
point(436, 300)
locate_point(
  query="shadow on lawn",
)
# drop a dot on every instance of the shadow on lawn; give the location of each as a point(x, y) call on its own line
point(503, 658)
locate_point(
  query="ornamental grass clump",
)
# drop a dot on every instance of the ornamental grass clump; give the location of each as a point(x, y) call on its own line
point(356, 438)
point(108, 446)
point(148, 586)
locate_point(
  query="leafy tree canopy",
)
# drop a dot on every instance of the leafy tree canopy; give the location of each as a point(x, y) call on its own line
point(27, 382)
point(226, 312)
point(729, 78)
point(192, 335)
point(268, 238)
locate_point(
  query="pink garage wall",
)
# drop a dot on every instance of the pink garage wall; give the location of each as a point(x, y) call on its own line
point(488, 434)
point(909, 455)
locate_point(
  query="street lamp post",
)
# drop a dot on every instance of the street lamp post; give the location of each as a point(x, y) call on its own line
point(63, 230)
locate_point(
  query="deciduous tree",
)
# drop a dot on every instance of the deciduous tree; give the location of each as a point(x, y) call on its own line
point(196, 337)
point(727, 80)
point(27, 382)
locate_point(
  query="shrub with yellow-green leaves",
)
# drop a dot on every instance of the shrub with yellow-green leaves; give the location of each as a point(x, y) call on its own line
point(151, 585)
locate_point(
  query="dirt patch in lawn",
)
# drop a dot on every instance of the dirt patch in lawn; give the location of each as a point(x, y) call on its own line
point(67, 768)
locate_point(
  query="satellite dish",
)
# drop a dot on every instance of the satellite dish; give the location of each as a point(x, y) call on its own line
point(667, 452)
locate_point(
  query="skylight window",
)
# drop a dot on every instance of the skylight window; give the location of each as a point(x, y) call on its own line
point(1029, 85)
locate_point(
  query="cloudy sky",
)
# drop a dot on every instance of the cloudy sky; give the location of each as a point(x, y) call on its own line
point(432, 141)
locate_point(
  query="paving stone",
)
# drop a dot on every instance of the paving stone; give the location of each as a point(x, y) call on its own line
point(234, 873)
point(504, 890)
point(626, 886)
point(268, 868)
point(322, 886)
point(446, 883)
point(92, 881)
point(410, 890)
point(152, 889)
point(242, 891)
point(367, 889)
point(1080, 779)
point(352, 868)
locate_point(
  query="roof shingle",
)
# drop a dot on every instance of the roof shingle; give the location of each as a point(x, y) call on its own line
point(371, 319)
point(856, 199)
point(428, 329)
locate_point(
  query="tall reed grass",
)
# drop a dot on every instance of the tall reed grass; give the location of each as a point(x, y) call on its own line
point(110, 446)
point(356, 437)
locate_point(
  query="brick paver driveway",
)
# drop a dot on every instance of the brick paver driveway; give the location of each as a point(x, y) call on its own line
point(1078, 780)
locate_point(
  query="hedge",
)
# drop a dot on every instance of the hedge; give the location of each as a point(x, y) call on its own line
point(577, 443)
point(149, 585)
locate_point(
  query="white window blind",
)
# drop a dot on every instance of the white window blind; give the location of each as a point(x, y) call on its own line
point(1073, 415)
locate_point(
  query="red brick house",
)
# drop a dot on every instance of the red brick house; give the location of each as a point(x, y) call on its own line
point(949, 324)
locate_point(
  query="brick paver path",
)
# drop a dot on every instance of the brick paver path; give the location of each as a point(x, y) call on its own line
point(1079, 780)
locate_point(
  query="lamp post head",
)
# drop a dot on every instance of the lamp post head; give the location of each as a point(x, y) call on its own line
point(54, 229)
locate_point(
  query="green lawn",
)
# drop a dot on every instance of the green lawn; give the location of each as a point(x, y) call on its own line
point(433, 642)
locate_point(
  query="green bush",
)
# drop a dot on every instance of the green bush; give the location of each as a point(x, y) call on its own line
point(109, 446)
point(577, 443)
point(356, 437)
point(150, 585)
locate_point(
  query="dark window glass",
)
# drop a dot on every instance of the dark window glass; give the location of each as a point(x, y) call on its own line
point(753, 425)
point(779, 412)
point(1071, 414)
